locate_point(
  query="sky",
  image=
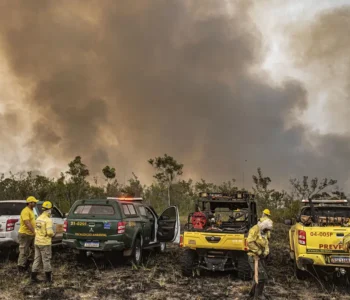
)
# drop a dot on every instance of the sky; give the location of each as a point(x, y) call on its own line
point(223, 86)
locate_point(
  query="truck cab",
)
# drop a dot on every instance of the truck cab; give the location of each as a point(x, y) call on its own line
point(316, 237)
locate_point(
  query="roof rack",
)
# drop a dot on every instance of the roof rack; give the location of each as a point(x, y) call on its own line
point(126, 198)
point(330, 201)
point(240, 195)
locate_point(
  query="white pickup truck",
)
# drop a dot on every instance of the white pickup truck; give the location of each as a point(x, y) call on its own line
point(10, 211)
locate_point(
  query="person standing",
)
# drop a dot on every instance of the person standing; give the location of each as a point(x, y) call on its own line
point(26, 234)
point(43, 240)
point(258, 250)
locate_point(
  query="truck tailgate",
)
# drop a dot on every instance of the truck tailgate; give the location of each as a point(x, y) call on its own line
point(92, 228)
point(3, 224)
point(326, 240)
point(223, 241)
point(7, 229)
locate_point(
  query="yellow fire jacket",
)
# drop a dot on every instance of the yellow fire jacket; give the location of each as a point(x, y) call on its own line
point(26, 214)
point(43, 230)
point(257, 243)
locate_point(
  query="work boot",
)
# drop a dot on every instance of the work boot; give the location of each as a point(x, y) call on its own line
point(34, 278)
point(252, 290)
point(26, 268)
point(259, 291)
point(48, 277)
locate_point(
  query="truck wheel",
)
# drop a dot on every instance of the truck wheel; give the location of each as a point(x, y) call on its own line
point(161, 248)
point(136, 256)
point(300, 274)
point(12, 253)
point(244, 271)
point(188, 262)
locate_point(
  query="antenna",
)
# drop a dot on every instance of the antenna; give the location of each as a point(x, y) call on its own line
point(243, 171)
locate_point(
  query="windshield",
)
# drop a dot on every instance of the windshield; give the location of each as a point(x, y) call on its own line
point(227, 215)
point(11, 209)
point(224, 212)
point(94, 209)
point(214, 205)
point(327, 211)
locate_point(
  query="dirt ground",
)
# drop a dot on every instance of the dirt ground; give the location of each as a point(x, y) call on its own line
point(160, 278)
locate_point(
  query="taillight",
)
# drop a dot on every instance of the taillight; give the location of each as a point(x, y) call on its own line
point(181, 240)
point(10, 224)
point(302, 237)
point(245, 245)
point(121, 227)
point(65, 226)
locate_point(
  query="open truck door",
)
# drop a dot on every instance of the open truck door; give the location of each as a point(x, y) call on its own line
point(169, 226)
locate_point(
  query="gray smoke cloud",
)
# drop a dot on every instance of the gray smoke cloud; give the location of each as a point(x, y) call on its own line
point(119, 82)
point(320, 47)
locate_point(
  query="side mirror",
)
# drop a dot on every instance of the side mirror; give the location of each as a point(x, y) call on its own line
point(288, 222)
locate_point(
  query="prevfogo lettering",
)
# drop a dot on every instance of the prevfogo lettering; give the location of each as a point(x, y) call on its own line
point(91, 234)
point(331, 247)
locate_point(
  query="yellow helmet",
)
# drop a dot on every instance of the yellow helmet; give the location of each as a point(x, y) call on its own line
point(46, 205)
point(266, 211)
point(31, 199)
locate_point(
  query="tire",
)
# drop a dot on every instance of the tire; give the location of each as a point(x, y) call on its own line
point(244, 271)
point(161, 248)
point(10, 253)
point(300, 274)
point(188, 262)
point(136, 256)
point(13, 254)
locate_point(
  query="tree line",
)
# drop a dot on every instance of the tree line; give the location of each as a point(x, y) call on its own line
point(167, 189)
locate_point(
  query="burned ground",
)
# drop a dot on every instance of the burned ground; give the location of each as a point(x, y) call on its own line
point(160, 278)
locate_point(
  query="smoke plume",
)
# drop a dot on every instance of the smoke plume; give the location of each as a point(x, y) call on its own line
point(119, 82)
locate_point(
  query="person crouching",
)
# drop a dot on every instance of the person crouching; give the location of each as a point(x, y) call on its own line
point(42, 243)
point(258, 245)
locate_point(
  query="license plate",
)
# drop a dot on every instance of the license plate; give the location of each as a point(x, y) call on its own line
point(340, 260)
point(92, 244)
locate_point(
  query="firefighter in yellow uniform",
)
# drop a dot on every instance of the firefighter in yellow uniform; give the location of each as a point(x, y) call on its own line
point(43, 236)
point(26, 234)
point(258, 246)
point(266, 216)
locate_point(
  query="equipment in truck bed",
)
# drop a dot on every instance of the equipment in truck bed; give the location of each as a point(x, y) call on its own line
point(215, 234)
point(218, 211)
point(318, 238)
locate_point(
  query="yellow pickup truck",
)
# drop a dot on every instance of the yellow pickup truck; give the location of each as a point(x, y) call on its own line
point(215, 235)
point(316, 238)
